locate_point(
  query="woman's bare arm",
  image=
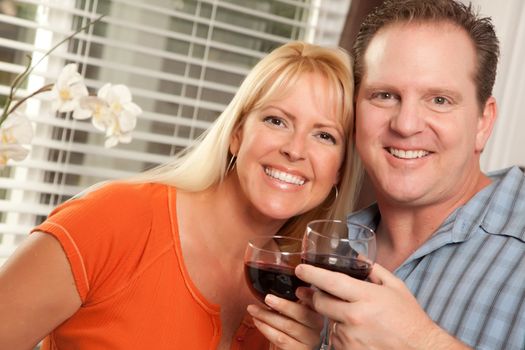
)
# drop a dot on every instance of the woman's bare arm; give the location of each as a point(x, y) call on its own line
point(37, 292)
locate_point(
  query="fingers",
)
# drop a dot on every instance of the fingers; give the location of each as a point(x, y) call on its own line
point(305, 295)
point(334, 283)
point(289, 325)
point(282, 340)
point(299, 312)
point(343, 286)
point(332, 307)
point(380, 275)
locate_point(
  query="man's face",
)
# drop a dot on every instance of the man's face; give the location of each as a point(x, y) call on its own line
point(419, 127)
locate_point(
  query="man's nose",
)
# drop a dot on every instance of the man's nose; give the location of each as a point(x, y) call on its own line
point(408, 119)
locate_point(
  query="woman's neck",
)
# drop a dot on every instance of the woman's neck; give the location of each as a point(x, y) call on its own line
point(224, 217)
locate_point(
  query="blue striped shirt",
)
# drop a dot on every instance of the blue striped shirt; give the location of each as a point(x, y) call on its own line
point(469, 276)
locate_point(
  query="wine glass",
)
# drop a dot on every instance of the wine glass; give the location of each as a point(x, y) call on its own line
point(340, 246)
point(269, 266)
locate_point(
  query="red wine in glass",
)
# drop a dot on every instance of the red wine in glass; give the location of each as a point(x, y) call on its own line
point(269, 264)
point(273, 279)
point(348, 265)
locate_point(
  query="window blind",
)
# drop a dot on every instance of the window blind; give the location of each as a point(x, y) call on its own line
point(182, 60)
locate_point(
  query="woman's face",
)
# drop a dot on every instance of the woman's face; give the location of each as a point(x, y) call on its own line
point(289, 152)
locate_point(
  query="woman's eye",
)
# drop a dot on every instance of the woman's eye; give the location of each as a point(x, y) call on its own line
point(326, 137)
point(275, 121)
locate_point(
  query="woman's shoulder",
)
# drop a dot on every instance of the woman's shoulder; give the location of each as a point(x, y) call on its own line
point(111, 205)
point(120, 190)
point(118, 196)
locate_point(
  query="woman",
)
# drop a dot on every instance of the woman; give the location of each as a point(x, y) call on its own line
point(156, 262)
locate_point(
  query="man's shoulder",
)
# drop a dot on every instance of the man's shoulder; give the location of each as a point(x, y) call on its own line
point(368, 216)
point(505, 206)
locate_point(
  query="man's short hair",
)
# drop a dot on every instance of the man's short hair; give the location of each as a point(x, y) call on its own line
point(479, 29)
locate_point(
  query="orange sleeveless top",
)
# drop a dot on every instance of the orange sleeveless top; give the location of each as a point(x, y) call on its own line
point(123, 246)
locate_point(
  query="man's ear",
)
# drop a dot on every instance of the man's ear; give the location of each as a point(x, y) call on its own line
point(486, 123)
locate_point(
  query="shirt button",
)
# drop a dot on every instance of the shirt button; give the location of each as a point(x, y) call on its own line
point(240, 339)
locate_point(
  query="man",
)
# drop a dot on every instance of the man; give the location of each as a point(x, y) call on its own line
point(451, 240)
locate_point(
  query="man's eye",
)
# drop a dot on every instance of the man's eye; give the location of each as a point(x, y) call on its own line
point(383, 95)
point(440, 100)
point(384, 99)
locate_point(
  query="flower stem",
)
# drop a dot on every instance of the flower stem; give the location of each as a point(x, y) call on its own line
point(30, 70)
point(22, 77)
point(44, 88)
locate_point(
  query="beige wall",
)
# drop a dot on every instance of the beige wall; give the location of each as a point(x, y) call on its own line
point(507, 144)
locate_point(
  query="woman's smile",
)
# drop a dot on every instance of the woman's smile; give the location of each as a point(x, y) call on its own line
point(284, 176)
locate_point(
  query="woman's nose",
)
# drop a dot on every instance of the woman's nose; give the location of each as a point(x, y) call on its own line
point(294, 147)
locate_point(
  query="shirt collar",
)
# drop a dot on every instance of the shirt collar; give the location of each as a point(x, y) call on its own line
point(498, 209)
point(505, 210)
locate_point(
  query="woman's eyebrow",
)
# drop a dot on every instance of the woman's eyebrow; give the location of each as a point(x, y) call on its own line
point(329, 124)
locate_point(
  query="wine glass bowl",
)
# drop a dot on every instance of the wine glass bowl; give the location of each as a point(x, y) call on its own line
point(339, 246)
point(269, 266)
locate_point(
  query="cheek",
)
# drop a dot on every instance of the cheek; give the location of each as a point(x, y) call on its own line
point(255, 146)
point(250, 143)
point(363, 138)
point(327, 167)
point(369, 121)
point(454, 135)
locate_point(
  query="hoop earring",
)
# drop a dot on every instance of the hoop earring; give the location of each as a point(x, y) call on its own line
point(335, 198)
point(231, 164)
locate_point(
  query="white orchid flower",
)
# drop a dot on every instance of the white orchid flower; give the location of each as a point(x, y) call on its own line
point(119, 99)
point(67, 91)
point(15, 132)
point(112, 109)
point(113, 112)
point(114, 139)
point(99, 111)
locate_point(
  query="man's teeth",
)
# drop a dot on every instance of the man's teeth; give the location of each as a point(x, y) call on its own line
point(399, 153)
point(285, 177)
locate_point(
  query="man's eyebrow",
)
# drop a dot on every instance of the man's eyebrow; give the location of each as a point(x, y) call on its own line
point(457, 96)
point(378, 86)
point(446, 92)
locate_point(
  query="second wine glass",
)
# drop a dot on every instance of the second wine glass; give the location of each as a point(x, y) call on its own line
point(335, 245)
point(269, 263)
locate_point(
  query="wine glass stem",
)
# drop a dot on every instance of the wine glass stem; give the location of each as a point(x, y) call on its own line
point(326, 343)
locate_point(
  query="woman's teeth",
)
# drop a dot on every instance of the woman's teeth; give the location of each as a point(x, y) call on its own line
point(285, 177)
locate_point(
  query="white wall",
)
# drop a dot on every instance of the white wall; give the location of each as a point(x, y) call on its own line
point(507, 144)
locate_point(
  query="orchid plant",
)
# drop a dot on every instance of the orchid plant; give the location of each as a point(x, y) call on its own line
point(111, 110)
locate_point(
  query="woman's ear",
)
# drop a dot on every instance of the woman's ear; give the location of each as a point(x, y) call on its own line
point(236, 139)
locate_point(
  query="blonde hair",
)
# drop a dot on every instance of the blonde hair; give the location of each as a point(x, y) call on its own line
point(204, 163)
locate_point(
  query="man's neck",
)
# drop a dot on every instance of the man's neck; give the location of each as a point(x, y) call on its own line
point(404, 228)
point(401, 232)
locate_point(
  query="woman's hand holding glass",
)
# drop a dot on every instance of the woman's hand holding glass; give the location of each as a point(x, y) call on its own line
point(269, 264)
